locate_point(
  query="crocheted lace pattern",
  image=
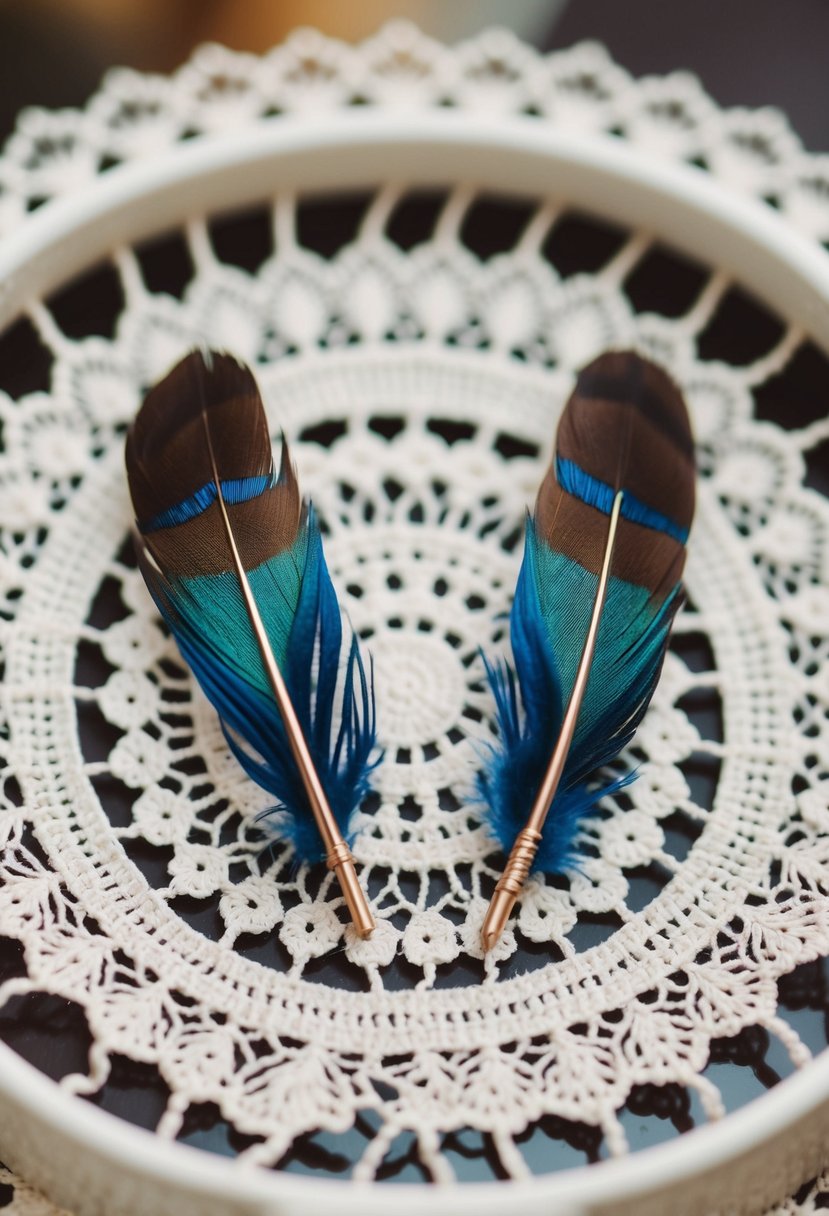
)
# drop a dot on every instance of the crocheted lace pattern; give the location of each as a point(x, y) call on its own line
point(419, 382)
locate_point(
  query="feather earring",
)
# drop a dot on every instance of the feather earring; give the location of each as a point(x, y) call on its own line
point(235, 565)
point(598, 589)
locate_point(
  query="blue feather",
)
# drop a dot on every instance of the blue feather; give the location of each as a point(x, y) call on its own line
point(183, 552)
point(554, 599)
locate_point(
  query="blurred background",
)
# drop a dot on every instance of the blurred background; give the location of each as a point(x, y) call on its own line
point(747, 52)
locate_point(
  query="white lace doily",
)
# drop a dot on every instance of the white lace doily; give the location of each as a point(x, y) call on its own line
point(418, 375)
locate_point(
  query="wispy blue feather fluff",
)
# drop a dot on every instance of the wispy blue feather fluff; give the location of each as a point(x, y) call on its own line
point(625, 414)
point(184, 556)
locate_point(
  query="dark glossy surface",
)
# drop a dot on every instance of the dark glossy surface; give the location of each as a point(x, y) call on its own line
point(746, 52)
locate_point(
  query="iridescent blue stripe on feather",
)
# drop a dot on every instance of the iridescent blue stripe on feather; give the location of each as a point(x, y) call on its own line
point(234, 491)
point(600, 495)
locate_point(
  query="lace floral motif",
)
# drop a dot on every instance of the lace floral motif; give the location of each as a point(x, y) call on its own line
point(420, 388)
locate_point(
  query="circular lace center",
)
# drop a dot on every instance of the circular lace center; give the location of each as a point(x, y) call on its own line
point(420, 688)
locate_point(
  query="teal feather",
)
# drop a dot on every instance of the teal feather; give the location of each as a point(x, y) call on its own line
point(185, 556)
point(625, 427)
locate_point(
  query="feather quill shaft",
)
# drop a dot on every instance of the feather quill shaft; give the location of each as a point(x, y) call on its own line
point(222, 540)
point(603, 558)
